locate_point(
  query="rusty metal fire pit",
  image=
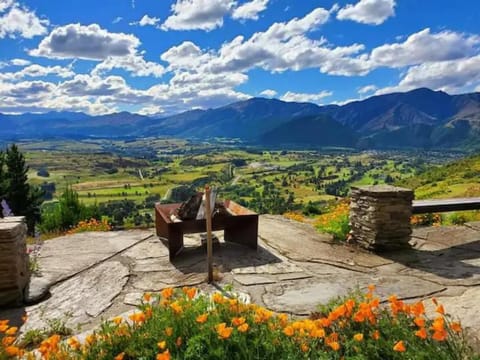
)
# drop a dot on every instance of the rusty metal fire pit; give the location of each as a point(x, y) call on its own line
point(240, 227)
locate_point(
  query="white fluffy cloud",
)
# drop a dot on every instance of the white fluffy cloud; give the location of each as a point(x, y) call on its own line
point(147, 21)
point(285, 46)
point(85, 42)
point(115, 50)
point(133, 63)
point(198, 14)
point(450, 76)
point(373, 12)
point(151, 110)
point(303, 97)
point(367, 89)
point(249, 10)
point(424, 46)
point(269, 93)
point(37, 71)
point(16, 20)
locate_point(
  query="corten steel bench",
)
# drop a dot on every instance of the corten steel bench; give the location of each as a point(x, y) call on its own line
point(241, 227)
point(445, 205)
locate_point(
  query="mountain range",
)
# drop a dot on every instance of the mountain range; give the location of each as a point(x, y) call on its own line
point(420, 118)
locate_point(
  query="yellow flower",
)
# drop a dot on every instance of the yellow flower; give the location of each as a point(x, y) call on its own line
point(176, 307)
point(11, 331)
point(202, 318)
point(358, 337)
point(169, 331)
point(162, 345)
point(243, 328)
point(73, 343)
point(399, 346)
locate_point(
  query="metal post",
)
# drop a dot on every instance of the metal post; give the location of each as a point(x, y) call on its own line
point(209, 234)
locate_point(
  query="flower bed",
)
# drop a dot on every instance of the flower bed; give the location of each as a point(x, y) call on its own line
point(181, 324)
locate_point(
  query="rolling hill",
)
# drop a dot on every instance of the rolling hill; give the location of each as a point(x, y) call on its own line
point(420, 118)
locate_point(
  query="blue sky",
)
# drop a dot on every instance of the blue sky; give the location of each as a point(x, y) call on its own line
point(167, 56)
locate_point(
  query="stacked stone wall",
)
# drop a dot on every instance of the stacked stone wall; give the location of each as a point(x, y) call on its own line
point(14, 273)
point(380, 217)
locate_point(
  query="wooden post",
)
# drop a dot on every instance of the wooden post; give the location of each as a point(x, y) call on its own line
point(209, 234)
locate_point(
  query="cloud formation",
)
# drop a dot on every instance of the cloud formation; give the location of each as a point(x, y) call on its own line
point(147, 21)
point(19, 21)
point(249, 10)
point(198, 14)
point(304, 97)
point(373, 12)
point(85, 42)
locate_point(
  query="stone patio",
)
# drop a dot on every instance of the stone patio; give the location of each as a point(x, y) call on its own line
point(95, 276)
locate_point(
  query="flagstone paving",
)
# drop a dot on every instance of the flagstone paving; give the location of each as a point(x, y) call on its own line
point(89, 277)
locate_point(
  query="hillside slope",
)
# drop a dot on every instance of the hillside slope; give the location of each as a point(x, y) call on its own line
point(456, 179)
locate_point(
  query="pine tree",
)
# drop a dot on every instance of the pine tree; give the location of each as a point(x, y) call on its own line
point(3, 180)
point(23, 199)
point(17, 181)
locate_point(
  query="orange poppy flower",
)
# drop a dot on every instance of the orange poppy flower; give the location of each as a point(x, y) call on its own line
point(455, 326)
point(422, 333)
point(223, 331)
point(167, 293)
point(201, 318)
point(243, 328)
point(399, 346)
point(164, 356)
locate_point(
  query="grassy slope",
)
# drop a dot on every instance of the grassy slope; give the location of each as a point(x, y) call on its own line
point(457, 179)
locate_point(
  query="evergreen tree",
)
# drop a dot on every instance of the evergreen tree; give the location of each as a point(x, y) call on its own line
point(17, 181)
point(23, 199)
point(3, 180)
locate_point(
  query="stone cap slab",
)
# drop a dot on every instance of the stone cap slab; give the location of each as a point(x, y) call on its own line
point(382, 191)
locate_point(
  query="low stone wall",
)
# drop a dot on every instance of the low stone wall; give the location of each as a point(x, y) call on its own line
point(14, 273)
point(380, 217)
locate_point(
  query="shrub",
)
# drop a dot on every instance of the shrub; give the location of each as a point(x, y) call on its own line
point(335, 222)
point(90, 225)
point(181, 324)
point(426, 220)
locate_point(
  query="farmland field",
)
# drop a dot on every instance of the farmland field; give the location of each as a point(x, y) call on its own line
point(149, 170)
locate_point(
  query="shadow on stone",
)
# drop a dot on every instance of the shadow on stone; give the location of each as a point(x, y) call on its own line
point(456, 262)
point(227, 256)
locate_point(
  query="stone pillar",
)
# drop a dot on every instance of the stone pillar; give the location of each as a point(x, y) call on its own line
point(380, 217)
point(14, 273)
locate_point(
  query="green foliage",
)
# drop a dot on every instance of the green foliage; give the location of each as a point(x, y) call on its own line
point(23, 199)
point(335, 222)
point(68, 212)
point(271, 201)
